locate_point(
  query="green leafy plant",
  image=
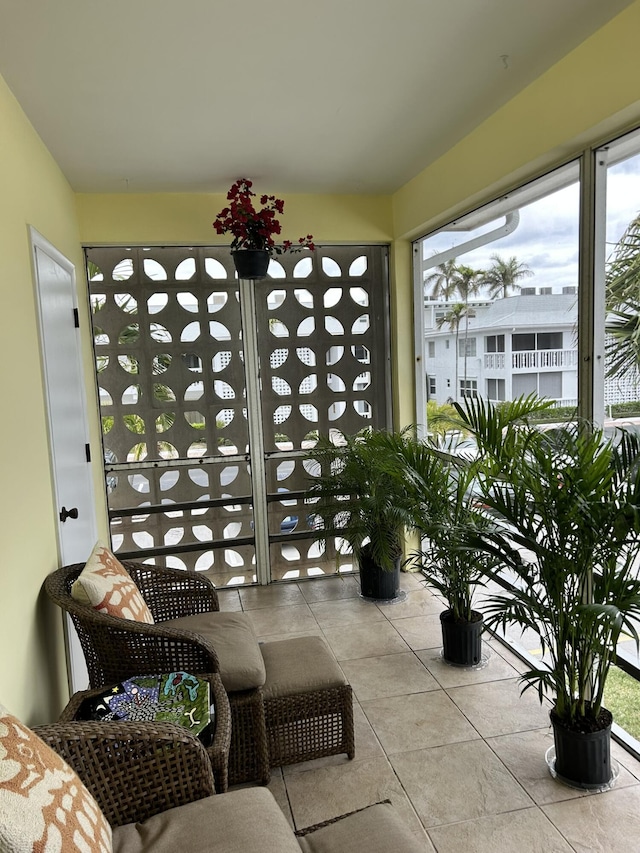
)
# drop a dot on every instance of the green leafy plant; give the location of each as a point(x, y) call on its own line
point(623, 303)
point(565, 506)
point(441, 500)
point(358, 494)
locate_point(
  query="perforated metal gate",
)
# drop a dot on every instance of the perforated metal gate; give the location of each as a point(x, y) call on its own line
point(172, 375)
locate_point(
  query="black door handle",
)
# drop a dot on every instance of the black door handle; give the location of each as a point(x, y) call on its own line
point(68, 513)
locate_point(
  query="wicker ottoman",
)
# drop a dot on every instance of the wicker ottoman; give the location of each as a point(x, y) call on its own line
point(308, 702)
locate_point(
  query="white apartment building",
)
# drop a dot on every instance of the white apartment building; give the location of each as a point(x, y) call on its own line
point(505, 348)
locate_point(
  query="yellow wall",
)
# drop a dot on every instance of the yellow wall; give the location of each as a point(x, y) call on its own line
point(186, 218)
point(594, 91)
point(34, 192)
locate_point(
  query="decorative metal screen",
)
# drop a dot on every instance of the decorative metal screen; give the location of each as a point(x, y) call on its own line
point(170, 369)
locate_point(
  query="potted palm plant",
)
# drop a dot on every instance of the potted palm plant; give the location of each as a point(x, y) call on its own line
point(253, 230)
point(359, 498)
point(565, 507)
point(441, 500)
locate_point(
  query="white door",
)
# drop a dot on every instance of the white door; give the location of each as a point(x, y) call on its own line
point(67, 413)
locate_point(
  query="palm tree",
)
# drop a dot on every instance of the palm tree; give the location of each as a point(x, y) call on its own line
point(622, 282)
point(467, 282)
point(453, 318)
point(443, 280)
point(503, 275)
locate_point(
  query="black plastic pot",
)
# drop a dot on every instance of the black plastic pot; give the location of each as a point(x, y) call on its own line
point(251, 263)
point(376, 582)
point(582, 759)
point(462, 641)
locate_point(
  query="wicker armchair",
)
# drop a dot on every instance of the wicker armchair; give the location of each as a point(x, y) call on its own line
point(218, 750)
point(133, 770)
point(154, 785)
point(153, 782)
point(116, 649)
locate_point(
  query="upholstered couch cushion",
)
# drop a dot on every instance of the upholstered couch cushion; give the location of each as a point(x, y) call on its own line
point(299, 665)
point(243, 821)
point(107, 586)
point(376, 829)
point(43, 804)
point(235, 642)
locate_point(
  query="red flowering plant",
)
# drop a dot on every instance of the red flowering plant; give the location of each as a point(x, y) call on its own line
point(255, 229)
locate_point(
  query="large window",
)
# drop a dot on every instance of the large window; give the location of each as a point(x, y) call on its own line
point(508, 274)
point(549, 276)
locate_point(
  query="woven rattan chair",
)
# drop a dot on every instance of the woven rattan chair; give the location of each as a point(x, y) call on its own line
point(116, 649)
point(154, 784)
point(218, 750)
point(134, 770)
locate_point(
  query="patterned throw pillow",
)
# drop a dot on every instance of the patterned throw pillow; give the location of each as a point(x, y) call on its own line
point(106, 585)
point(43, 804)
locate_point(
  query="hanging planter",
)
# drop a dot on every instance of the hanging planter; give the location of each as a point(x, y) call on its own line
point(253, 230)
point(251, 263)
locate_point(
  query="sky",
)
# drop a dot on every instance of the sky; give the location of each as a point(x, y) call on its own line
point(546, 239)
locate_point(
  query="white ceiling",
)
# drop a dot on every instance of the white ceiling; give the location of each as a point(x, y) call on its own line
point(332, 96)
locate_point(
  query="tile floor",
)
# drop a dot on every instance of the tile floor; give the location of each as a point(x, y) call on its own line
point(460, 753)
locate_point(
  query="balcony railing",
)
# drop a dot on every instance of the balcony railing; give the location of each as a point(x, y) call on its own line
point(552, 359)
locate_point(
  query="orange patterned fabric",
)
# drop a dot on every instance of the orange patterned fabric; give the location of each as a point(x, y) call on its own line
point(43, 804)
point(106, 585)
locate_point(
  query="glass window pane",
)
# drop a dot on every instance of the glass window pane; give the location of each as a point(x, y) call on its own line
point(500, 297)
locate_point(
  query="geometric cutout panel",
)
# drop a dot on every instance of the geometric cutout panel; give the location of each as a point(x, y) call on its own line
point(169, 357)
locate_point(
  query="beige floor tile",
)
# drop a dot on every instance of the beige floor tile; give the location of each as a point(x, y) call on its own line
point(367, 747)
point(389, 675)
point(278, 789)
point(525, 831)
point(318, 795)
point(420, 632)
point(274, 595)
point(365, 640)
point(625, 759)
point(313, 631)
point(600, 823)
point(506, 653)
point(419, 720)
point(296, 619)
point(447, 675)
point(229, 600)
point(418, 602)
point(459, 781)
point(471, 794)
point(329, 589)
point(411, 580)
point(333, 614)
point(497, 708)
point(524, 755)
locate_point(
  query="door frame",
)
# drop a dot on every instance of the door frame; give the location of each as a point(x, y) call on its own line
point(74, 542)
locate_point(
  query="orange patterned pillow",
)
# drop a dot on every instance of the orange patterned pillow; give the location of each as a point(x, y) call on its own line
point(107, 586)
point(43, 804)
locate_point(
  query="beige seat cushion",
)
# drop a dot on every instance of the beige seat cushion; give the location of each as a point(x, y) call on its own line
point(299, 665)
point(233, 638)
point(377, 829)
point(244, 821)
